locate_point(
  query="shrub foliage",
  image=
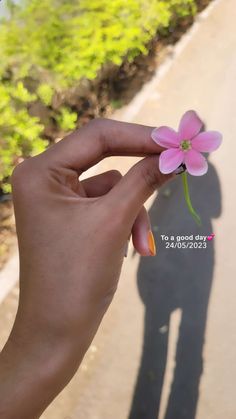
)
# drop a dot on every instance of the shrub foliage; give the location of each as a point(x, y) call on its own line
point(48, 46)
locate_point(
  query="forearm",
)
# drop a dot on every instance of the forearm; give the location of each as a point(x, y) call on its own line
point(37, 362)
point(32, 373)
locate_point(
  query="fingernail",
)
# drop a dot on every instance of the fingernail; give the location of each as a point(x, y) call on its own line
point(151, 243)
point(180, 169)
point(153, 134)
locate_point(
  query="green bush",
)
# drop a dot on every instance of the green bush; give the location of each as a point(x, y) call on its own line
point(66, 119)
point(19, 132)
point(66, 41)
point(48, 46)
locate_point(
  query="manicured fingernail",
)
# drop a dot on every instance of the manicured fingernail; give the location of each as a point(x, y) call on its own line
point(180, 169)
point(151, 243)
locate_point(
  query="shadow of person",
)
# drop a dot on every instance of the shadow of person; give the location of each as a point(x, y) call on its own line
point(176, 278)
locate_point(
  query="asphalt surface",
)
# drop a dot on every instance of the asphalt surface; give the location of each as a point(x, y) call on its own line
point(166, 348)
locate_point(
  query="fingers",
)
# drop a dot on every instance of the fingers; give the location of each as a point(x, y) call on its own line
point(100, 184)
point(100, 138)
point(140, 232)
point(127, 196)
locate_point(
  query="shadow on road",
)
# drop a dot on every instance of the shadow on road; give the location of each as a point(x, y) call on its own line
point(176, 278)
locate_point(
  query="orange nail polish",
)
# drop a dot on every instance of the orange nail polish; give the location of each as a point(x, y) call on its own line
point(151, 243)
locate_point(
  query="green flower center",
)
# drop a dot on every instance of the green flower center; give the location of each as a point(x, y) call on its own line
point(185, 145)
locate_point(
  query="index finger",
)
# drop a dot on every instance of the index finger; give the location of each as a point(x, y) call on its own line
point(102, 138)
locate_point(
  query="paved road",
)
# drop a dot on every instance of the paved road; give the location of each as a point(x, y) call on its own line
point(166, 348)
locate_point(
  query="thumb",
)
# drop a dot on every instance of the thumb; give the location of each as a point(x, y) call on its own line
point(139, 183)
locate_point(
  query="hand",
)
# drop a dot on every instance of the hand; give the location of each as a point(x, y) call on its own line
point(72, 236)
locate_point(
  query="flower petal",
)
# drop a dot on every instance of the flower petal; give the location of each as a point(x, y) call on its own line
point(196, 163)
point(166, 137)
point(190, 125)
point(207, 141)
point(170, 159)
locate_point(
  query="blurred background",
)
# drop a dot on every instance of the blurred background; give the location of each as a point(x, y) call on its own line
point(166, 347)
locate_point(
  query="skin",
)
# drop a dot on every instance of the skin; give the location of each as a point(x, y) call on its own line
point(67, 230)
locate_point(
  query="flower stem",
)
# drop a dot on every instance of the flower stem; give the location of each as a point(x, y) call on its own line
point(188, 200)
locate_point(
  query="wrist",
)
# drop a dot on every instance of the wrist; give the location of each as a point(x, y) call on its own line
point(39, 359)
point(32, 372)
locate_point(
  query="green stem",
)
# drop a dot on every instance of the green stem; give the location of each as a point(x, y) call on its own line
point(188, 200)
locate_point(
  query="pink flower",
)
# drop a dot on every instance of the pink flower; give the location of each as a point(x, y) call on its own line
point(186, 145)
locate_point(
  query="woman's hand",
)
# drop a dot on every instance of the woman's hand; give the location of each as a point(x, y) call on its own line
point(72, 236)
